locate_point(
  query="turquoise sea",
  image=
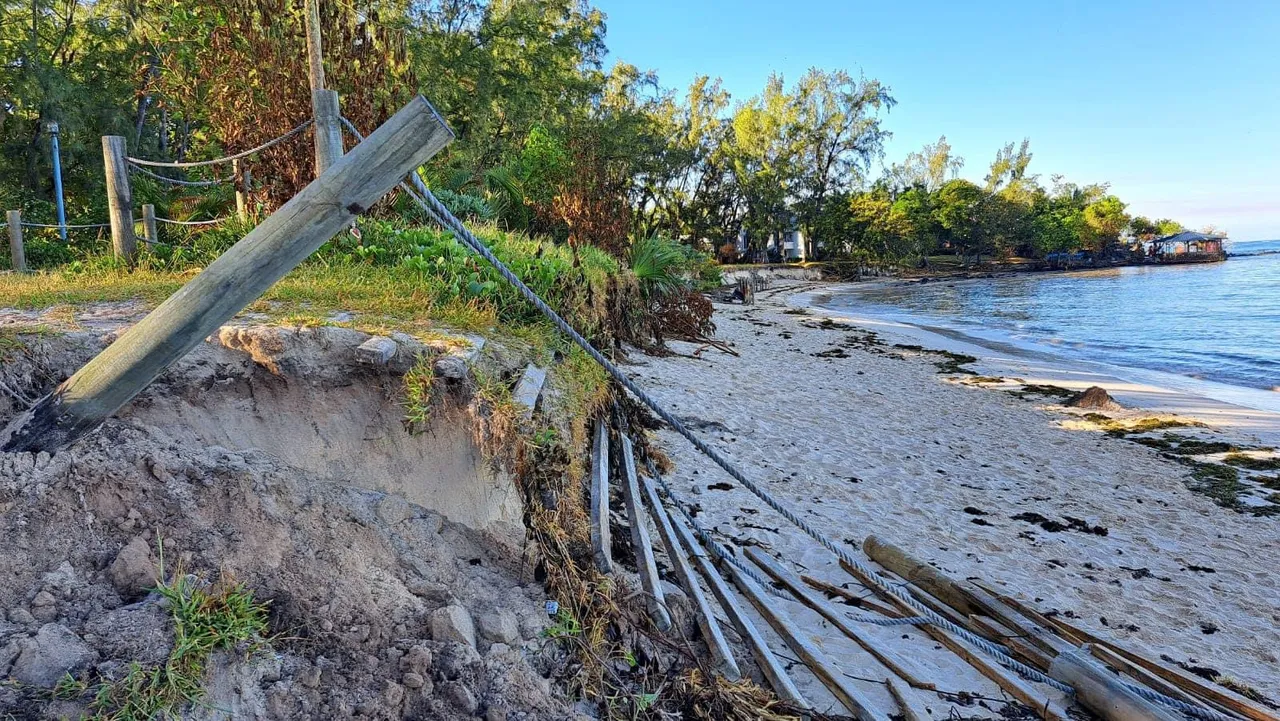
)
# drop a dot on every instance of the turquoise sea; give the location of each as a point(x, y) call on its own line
point(1218, 322)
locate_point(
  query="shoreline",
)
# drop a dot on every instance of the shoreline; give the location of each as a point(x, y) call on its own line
point(864, 438)
point(1243, 409)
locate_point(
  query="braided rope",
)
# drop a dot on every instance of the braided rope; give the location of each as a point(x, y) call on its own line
point(134, 167)
point(227, 159)
point(215, 221)
point(434, 208)
point(69, 227)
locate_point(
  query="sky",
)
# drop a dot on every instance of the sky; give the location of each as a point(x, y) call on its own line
point(1175, 103)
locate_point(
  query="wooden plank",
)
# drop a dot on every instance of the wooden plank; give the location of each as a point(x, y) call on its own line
point(119, 198)
point(17, 253)
point(722, 656)
point(839, 620)
point(1150, 680)
point(1012, 683)
point(855, 599)
point(901, 695)
point(231, 282)
point(1103, 692)
point(769, 665)
point(601, 543)
point(149, 224)
point(1187, 682)
point(640, 541)
point(809, 653)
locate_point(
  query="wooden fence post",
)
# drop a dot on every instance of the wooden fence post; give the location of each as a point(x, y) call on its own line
point(19, 256)
point(231, 282)
point(119, 198)
point(328, 128)
point(241, 179)
point(149, 224)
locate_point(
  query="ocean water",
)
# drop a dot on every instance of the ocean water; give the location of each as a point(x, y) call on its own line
point(1217, 322)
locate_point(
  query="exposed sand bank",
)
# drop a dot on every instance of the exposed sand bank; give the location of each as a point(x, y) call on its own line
point(866, 438)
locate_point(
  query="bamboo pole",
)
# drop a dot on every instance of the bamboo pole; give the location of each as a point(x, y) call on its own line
point(769, 665)
point(640, 541)
point(601, 543)
point(838, 620)
point(809, 653)
point(119, 198)
point(1102, 691)
point(722, 657)
point(149, 224)
point(16, 251)
point(231, 282)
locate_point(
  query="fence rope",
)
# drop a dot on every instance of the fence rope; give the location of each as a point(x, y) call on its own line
point(227, 159)
point(134, 167)
point(193, 222)
point(67, 226)
point(440, 214)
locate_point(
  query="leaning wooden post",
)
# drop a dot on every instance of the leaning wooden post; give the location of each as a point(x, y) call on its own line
point(601, 543)
point(149, 224)
point(656, 600)
point(231, 282)
point(328, 128)
point(119, 198)
point(240, 174)
point(16, 252)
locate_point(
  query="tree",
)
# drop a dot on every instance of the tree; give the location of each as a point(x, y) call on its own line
point(1104, 220)
point(959, 212)
point(929, 168)
point(1142, 228)
point(1167, 226)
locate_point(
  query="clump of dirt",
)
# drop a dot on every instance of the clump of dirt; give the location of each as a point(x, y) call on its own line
point(378, 608)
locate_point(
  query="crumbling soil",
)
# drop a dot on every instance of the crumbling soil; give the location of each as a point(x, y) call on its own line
point(379, 608)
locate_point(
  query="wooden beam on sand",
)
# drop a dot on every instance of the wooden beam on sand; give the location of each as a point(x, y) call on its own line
point(722, 657)
point(1010, 682)
point(853, 598)
point(1104, 692)
point(1150, 680)
point(769, 665)
point(656, 602)
point(809, 653)
point(1187, 682)
point(237, 278)
point(601, 543)
point(837, 619)
point(1017, 642)
point(901, 695)
point(965, 597)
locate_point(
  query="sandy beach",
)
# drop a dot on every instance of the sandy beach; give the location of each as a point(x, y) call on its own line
point(869, 439)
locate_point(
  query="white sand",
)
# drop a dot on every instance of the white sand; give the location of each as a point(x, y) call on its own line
point(876, 443)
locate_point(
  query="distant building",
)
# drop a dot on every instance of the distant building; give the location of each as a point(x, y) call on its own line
point(1188, 247)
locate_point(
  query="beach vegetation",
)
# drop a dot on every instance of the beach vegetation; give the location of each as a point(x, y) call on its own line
point(1252, 463)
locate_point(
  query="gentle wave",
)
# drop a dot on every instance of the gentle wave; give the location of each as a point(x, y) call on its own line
point(1217, 322)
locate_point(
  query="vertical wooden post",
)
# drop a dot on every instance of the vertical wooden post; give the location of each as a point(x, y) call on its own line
point(14, 218)
point(601, 543)
point(328, 128)
point(315, 51)
point(149, 224)
point(241, 175)
point(231, 282)
point(119, 198)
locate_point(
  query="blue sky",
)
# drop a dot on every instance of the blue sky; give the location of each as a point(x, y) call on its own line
point(1176, 104)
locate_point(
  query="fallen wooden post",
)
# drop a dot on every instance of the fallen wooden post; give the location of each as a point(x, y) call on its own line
point(809, 653)
point(231, 282)
point(722, 657)
point(1009, 681)
point(600, 536)
point(1194, 685)
point(1103, 692)
point(119, 200)
point(769, 664)
point(640, 541)
point(837, 619)
point(17, 253)
point(1150, 680)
